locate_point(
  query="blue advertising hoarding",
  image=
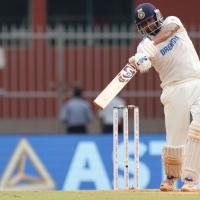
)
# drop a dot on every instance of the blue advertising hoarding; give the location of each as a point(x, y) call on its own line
point(85, 161)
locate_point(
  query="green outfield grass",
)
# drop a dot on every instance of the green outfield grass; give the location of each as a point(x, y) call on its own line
point(99, 195)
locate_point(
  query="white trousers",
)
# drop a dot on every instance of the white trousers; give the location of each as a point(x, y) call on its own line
point(179, 102)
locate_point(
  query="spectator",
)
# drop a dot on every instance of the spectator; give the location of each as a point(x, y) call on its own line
point(76, 113)
point(106, 117)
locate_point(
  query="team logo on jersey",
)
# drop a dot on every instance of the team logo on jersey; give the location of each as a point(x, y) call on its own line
point(127, 73)
point(141, 13)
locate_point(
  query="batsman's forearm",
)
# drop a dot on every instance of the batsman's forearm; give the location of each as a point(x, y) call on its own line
point(162, 37)
point(165, 33)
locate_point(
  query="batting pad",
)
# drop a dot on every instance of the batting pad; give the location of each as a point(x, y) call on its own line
point(172, 159)
point(191, 164)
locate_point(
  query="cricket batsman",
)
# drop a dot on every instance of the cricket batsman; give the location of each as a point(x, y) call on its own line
point(167, 47)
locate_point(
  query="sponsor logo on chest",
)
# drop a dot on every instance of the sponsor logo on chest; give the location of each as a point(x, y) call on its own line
point(166, 49)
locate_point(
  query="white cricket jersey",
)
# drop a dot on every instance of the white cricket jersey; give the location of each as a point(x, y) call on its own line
point(177, 60)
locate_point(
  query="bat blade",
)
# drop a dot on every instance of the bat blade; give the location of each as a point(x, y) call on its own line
point(115, 86)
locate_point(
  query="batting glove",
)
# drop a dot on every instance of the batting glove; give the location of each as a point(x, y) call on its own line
point(141, 61)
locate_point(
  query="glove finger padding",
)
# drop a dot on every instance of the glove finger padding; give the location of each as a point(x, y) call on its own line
point(142, 62)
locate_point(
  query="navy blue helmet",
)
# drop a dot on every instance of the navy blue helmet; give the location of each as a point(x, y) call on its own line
point(144, 13)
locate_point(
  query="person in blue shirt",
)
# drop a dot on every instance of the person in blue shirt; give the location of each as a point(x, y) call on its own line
point(76, 113)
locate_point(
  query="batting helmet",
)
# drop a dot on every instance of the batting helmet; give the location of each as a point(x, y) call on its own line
point(145, 12)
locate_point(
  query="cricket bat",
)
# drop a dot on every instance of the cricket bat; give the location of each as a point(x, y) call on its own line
point(115, 86)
